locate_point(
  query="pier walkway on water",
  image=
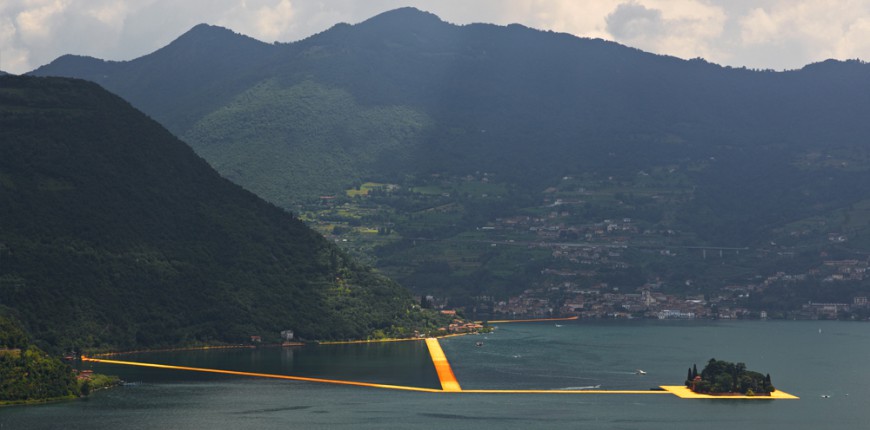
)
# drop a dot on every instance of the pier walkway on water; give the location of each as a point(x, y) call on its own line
point(449, 383)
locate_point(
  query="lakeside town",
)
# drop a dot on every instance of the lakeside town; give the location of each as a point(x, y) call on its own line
point(595, 269)
point(563, 293)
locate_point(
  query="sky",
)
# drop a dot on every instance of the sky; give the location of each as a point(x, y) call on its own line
point(759, 34)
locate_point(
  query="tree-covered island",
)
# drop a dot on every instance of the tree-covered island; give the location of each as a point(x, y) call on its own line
point(722, 377)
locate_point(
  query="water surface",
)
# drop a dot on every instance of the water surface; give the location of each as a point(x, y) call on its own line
point(808, 359)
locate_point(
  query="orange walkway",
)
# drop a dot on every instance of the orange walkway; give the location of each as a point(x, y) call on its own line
point(449, 384)
point(684, 392)
point(261, 375)
point(442, 366)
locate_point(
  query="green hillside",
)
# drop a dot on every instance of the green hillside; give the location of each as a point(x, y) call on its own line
point(405, 93)
point(475, 131)
point(331, 139)
point(115, 234)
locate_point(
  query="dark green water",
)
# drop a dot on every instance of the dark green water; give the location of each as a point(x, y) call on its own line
point(801, 359)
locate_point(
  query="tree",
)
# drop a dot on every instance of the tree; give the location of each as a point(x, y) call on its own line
point(721, 376)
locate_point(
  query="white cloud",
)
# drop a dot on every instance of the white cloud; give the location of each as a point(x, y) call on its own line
point(274, 21)
point(111, 14)
point(757, 33)
point(685, 28)
point(816, 30)
point(855, 40)
point(11, 57)
point(758, 27)
point(585, 19)
point(267, 20)
point(35, 22)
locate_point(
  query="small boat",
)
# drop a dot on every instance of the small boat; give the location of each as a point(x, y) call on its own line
point(639, 372)
point(558, 325)
point(478, 344)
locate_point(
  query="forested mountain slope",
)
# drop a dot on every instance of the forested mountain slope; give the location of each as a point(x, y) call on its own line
point(115, 234)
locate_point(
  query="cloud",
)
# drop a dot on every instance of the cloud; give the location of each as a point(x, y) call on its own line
point(12, 58)
point(631, 21)
point(34, 23)
point(757, 33)
point(684, 28)
point(267, 20)
point(817, 30)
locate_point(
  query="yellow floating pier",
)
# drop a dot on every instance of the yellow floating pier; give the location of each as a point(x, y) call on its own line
point(685, 393)
point(442, 366)
point(261, 375)
point(449, 383)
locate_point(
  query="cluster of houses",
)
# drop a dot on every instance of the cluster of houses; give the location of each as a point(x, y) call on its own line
point(601, 301)
point(552, 227)
point(581, 250)
point(458, 325)
point(565, 298)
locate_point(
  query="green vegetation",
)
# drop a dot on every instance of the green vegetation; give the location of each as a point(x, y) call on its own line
point(116, 235)
point(27, 374)
point(331, 142)
point(722, 377)
point(767, 171)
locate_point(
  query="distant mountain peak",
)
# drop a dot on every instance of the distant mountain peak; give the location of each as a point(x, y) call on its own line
point(207, 29)
point(83, 66)
point(406, 17)
point(207, 33)
point(404, 14)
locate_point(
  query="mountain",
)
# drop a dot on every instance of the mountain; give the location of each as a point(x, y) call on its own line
point(473, 125)
point(115, 234)
point(193, 68)
point(404, 93)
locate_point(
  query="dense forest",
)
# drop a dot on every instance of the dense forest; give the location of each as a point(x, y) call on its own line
point(115, 234)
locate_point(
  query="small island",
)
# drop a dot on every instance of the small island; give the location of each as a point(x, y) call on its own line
point(725, 378)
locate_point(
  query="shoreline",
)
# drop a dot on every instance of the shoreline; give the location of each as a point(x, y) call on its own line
point(4, 403)
point(574, 318)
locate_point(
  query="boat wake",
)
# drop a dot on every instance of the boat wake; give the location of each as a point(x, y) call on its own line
point(587, 387)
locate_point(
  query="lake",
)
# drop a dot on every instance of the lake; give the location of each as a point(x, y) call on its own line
point(805, 358)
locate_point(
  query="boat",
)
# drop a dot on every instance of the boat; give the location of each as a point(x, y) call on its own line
point(639, 372)
point(478, 344)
